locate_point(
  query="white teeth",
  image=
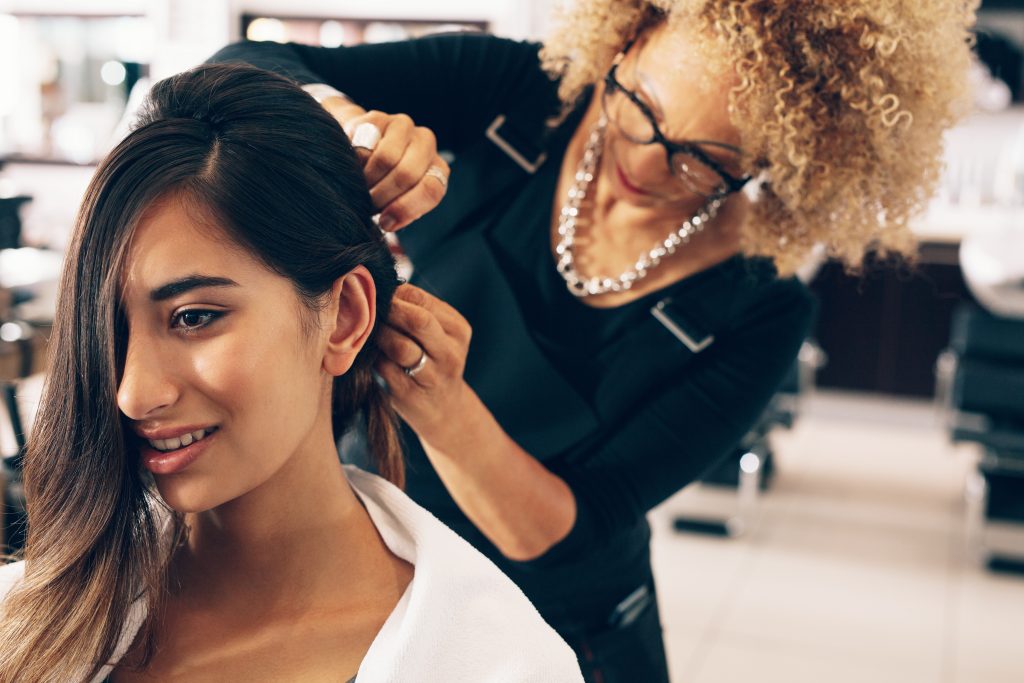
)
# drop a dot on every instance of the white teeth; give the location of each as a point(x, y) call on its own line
point(178, 442)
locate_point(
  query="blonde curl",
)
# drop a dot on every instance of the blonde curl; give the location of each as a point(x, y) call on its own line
point(842, 105)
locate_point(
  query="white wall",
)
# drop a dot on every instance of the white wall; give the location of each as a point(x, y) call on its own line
point(188, 31)
point(191, 30)
point(513, 18)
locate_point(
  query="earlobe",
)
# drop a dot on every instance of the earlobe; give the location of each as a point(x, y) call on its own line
point(351, 316)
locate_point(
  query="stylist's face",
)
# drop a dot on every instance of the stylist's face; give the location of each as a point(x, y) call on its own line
point(220, 382)
point(690, 102)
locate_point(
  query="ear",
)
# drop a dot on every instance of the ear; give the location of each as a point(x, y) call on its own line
point(349, 319)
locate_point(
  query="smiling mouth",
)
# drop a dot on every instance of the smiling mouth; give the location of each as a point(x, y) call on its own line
point(628, 185)
point(169, 445)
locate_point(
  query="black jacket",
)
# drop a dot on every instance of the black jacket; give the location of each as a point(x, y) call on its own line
point(627, 405)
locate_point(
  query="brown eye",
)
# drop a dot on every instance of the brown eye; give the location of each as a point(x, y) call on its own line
point(194, 319)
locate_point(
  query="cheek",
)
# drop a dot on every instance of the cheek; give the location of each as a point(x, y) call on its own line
point(229, 369)
point(262, 388)
point(263, 383)
point(645, 164)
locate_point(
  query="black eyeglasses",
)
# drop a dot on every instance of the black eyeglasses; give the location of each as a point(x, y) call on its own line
point(686, 160)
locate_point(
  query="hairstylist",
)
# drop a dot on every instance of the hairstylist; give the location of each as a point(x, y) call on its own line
point(631, 309)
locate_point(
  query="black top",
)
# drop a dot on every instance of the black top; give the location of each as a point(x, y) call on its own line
point(609, 399)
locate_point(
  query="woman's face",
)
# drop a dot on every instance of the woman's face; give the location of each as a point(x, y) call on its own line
point(221, 382)
point(690, 101)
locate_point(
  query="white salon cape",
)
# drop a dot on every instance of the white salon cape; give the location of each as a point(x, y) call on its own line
point(460, 619)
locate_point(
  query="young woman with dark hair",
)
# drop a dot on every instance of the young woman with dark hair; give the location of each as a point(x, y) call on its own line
point(189, 518)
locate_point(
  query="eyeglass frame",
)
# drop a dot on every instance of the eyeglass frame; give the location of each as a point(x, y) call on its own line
point(732, 183)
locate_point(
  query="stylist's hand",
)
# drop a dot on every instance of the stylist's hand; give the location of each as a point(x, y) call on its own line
point(404, 173)
point(430, 398)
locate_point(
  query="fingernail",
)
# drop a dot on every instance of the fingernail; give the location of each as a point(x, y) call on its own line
point(366, 135)
point(386, 223)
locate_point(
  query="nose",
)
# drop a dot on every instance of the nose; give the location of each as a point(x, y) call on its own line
point(146, 385)
point(646, 165)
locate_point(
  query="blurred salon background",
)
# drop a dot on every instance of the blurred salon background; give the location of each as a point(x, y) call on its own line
point(870, 528)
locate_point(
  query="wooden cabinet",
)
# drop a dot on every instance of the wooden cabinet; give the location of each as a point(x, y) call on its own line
point(883, 329)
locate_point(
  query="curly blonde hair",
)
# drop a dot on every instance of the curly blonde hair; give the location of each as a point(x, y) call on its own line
point(841, 104)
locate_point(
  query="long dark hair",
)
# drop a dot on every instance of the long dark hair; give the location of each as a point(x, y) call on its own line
point(281, 178)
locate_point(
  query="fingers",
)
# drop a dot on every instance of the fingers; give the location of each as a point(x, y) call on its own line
point(399, 348)
point(419, 325)
point(403, 171)
point(451, 321)
point(398, 383)
point(405, 354)
point(423, 197)
point(363, 140)
point(418, 155)
point(396, 136)
point(380, 154)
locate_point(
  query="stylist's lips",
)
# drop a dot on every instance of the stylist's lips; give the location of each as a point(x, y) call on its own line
point(170, 450)
point(624, 181)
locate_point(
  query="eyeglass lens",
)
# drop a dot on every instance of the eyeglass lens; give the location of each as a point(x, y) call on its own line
point(636, 127)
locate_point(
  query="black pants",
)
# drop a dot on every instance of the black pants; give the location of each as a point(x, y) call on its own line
point(631, 653)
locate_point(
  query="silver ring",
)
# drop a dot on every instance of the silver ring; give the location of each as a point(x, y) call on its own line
point(437, 173)
point(366, 136)
point(419, 364)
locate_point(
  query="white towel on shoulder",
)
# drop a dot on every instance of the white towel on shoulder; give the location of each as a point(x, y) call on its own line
point(460, 619)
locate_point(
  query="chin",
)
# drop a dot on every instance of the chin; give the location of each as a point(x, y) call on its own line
point(188, 497)
point(641, 202)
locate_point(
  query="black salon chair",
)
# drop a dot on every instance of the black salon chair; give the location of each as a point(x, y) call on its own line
point(983, 378)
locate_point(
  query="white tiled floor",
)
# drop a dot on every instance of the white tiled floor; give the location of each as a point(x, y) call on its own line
point(857, 569)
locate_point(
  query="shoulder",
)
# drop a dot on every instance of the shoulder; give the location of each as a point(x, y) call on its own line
point(515, 64)
point(470, 43)
point(10, 574)
point(765, 298)
point(466, 55)
point(461, 618)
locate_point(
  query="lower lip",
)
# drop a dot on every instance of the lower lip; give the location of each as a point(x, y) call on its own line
point(630, 187)
point(159, 462)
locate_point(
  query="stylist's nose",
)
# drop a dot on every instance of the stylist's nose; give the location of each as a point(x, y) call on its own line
point(146, 387)
point(646, 164)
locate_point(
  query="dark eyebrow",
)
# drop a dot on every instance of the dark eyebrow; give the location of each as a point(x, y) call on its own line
point(187, 284)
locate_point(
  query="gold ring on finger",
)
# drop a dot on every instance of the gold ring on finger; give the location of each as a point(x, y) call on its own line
point(438, 174)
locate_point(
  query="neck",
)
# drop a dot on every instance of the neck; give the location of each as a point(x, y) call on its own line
point(296, 538)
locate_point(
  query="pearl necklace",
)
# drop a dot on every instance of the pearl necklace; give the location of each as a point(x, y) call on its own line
point(584, 286)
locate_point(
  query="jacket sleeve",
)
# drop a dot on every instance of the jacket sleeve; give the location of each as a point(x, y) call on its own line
point(454, 84)
point(670, 440)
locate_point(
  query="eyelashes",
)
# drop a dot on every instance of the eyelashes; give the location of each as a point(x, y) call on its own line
point(194, 320)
